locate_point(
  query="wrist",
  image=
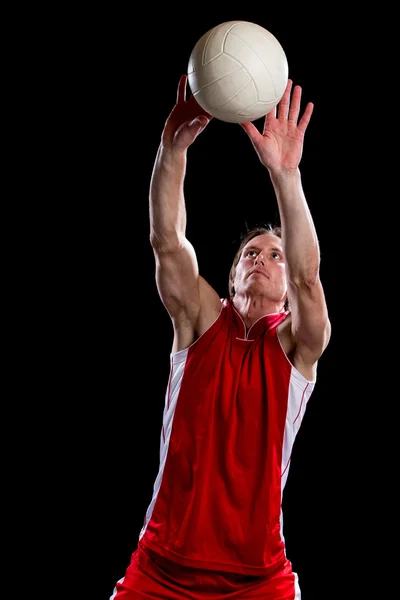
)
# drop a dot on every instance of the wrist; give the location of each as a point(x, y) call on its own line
point(171, 156)
point(281, 175)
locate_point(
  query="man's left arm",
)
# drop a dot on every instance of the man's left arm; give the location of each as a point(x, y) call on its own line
point(310, 324)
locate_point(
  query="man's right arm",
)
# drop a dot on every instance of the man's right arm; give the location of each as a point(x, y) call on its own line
point(186, 296)
point(177, 272)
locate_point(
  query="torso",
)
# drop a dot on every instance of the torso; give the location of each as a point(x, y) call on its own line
point(186, 334)
point(226, 448)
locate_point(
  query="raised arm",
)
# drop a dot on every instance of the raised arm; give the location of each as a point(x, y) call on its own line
point(279, 147)
point(181, 289)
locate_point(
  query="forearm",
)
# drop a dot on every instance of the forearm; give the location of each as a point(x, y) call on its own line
point(167, 203)
point(299, 238)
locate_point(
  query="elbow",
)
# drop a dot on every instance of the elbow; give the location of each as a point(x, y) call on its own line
point(165, 244)
point(305, 279)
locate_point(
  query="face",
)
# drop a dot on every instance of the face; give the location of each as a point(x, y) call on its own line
point(261, 268)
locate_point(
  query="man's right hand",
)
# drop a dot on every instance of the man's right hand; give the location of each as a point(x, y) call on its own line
point(186, 120)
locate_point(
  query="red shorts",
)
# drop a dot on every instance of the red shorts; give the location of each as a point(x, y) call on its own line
point(149, 577)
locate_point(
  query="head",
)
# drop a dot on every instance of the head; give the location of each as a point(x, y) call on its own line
point(249, 252)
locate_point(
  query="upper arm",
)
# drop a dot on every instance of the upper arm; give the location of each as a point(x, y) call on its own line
point(184, 293)
point(310, 324)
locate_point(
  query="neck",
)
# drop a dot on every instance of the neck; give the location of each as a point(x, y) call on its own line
point(252, 308)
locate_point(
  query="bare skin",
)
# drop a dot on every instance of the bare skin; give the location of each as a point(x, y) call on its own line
point(270, 269)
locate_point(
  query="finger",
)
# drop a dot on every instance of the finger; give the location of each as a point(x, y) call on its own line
point(294, 109)
point(181, 94)
point(269, 117)
point(283, 106)
point(251, 130)
point(305, 119)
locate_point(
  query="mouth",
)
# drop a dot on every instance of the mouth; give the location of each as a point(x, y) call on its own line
point(257, 272)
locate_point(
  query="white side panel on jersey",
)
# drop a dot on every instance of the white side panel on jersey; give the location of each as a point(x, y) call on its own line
point(178, 362)
point(299, 393)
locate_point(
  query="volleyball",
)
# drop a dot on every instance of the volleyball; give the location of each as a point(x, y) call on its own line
point(238, 71)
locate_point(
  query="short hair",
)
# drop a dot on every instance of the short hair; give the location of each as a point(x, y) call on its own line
point(245, 237)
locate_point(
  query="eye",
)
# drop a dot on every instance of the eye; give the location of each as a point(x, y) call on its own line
point(251, 253)
point(276, 255)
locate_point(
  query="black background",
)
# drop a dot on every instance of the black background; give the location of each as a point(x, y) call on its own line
point(120, 333)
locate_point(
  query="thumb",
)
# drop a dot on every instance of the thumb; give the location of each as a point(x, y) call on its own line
point(198, 123)
point(250, 129)
point(188, 132)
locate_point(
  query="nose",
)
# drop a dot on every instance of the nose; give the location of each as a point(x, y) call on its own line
point(259, 259)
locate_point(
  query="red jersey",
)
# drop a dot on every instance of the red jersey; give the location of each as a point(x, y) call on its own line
point(233, 406)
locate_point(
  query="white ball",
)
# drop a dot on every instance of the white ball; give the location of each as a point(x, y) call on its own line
point(238, 71)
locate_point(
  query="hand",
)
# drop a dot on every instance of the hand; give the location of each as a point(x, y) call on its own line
point(280, 145)
point(185, 121)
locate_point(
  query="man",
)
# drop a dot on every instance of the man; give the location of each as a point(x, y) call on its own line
point(242, 371)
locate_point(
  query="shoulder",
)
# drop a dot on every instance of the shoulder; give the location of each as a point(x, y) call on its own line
point(211, 305)
point(298, 355)
point(284, 330)
point(187, 329)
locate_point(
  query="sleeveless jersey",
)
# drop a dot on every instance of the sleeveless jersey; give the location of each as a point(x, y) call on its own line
point(233, 406)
